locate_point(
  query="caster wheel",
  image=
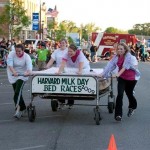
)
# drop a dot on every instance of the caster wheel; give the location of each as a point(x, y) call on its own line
point(97, 117)
point(31, 113)
point(54, 105)
point(111, 107)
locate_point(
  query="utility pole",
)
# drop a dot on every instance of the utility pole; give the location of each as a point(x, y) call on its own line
point(40, 22)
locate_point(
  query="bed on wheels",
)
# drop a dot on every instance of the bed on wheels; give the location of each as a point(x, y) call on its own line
point(70, 86)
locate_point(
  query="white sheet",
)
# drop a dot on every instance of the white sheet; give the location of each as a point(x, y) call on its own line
point(69, 71)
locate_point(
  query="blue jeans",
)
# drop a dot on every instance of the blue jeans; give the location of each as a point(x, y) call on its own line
point(128, 87)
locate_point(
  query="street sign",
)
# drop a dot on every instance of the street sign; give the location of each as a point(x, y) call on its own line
point(35, 21)
point(35, 27)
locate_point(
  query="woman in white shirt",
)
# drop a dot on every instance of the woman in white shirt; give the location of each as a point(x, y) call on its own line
point(18, 62)
point(57, 57)
point(58, 54)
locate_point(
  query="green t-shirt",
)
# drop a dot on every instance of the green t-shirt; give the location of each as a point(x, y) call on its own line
point(42, 54)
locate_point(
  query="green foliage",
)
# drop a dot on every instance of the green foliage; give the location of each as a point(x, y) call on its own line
point(67, 26)
point(15, 16)
point(114, 30)
point(70, 40)
point(141, 29)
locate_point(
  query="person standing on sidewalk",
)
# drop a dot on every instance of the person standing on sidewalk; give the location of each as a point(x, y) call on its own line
point(18, 62)
point(93, 50)
point(127, 77)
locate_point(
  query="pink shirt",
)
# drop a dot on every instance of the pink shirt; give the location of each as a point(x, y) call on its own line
point(127, 74)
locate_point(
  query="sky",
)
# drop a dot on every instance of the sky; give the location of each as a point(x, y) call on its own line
point(121, 14)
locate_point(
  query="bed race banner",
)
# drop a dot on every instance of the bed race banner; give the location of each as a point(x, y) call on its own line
point(64, 84)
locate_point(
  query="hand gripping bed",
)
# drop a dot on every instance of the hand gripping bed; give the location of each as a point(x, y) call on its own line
point(71, 86)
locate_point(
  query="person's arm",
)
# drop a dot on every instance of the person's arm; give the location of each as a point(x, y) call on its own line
point(50, 63)
point(111, 65)
point(120, 72)
point(62, 66)
point(80, 68)
point(13, 71)
point(10, 61)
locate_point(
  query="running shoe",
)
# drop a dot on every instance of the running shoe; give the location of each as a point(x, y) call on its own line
point(130, 112)
point(118, 118)
point(18, 114)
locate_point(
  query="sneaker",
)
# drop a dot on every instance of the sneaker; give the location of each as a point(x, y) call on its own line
point(130, 112)
point(18, 114)
point(118, 118)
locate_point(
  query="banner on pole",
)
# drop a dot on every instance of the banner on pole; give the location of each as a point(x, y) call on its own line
point(35, 21)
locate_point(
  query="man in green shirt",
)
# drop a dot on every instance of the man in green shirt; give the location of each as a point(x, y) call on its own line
point(42, 56)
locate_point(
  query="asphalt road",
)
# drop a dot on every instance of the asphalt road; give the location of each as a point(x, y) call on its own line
point(75, 129)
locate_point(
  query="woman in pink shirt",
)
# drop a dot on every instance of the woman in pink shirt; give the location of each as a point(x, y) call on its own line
point(74, 59)
point(127, 75)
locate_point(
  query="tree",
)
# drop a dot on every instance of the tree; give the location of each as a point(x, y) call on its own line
point(67, 26)
point(88, 29)
point(15, 17)
point(62, 29)
point(114, 30)
point(140, 29)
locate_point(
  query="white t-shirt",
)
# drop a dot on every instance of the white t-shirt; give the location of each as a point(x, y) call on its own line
point(80, 58)
point(19, 64)
point(58, 54)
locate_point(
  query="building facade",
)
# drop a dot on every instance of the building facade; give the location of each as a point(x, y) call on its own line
point(30, 6)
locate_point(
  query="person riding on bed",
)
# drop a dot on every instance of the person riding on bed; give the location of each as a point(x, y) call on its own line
point(74, 58)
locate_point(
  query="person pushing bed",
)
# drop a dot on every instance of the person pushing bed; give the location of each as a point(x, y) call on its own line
point(18, 62)
point(127, 76)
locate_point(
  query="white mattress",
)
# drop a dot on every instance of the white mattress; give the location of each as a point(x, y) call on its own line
point(69, 71)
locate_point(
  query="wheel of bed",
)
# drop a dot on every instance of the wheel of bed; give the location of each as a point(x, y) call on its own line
point(54, 105)
point(97, 116)
point(31, 113)
point(111, 107)
point(111, 103)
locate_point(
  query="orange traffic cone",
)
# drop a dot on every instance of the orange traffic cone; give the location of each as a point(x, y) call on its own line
point(112, 143)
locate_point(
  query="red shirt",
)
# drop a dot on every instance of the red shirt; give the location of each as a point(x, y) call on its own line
point(127, 74)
